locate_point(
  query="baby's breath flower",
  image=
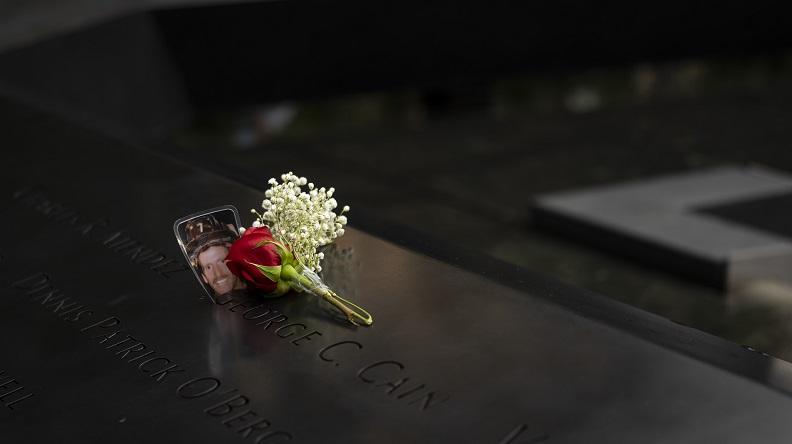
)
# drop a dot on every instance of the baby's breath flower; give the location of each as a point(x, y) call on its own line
point(303, 220)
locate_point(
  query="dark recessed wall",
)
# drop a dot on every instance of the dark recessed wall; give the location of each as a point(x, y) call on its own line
point(270, 51)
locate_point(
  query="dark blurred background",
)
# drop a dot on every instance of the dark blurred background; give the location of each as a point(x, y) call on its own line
point(446, 119)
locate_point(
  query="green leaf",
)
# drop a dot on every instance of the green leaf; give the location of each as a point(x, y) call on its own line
point(272, 272)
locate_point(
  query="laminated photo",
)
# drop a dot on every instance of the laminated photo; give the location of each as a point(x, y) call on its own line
point(205, 238)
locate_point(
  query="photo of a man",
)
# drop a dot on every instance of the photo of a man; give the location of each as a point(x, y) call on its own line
point(205, 239)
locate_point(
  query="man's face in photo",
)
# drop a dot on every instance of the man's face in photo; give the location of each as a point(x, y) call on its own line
point(215, 272)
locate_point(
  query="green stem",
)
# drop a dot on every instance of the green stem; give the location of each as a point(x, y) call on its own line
point(359, 317)
point(290, 274)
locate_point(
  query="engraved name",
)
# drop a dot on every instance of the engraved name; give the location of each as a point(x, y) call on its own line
point(387, 377)
point(12, 392)
point(232, 411)
point(100, 230)
point(123, 345)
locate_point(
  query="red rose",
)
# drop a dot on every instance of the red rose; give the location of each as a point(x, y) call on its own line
point(246, 256)
point(270, 266)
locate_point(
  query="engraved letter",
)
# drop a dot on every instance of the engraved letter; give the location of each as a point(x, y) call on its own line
point(186, 390)
point(30, 282)
point(279, 434)
point(268, 322)
point(147, 361)
point(258, 425)
point(289, 333)
point(428, 400)
point(105, 323)
point(241, 417)
point(374, 365)
point(251, 317)
point(306, 337)
point(323, 352)
point(227, 406)
point(160, 375)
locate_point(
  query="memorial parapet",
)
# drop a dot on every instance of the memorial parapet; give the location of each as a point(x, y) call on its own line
point(106, 335)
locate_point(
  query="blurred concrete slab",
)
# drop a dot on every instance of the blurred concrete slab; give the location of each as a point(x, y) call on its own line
point(672, 222)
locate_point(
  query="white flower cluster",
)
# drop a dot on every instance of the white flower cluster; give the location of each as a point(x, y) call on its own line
point(304, 221)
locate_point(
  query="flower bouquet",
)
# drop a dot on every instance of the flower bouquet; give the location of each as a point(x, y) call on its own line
point(281, 251)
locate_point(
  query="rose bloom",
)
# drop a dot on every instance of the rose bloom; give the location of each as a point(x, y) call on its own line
point(244, 253)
